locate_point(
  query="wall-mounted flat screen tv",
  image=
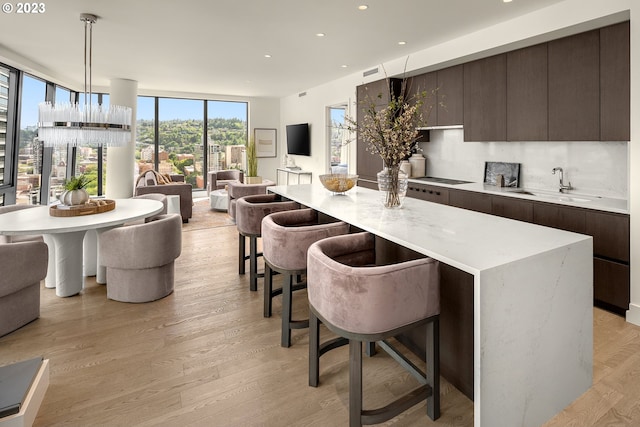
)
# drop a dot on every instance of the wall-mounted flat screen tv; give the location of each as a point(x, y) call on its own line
point(298, 141)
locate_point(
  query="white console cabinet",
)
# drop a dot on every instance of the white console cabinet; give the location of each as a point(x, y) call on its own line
point(287, 176)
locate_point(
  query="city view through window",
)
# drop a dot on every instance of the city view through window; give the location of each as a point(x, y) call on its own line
point(178, 140)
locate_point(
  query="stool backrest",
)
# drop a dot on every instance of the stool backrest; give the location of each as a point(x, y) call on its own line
point(365, 299)
point(286, 236)
point(251, 209)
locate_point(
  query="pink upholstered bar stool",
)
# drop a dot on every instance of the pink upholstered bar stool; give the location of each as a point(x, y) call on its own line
point(360, 301)
point(249, 213)
point(286, 237)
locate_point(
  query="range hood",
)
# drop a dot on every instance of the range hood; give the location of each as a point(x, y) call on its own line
point(439, 127)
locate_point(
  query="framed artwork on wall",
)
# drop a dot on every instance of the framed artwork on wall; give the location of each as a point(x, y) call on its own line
point(266, 142)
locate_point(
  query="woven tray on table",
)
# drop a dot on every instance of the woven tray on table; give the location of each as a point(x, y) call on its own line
point(90, 208)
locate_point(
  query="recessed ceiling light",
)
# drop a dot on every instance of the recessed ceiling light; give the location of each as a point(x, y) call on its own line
point(320, 34)
point(363, 7)
point(402, 43)
point(266, 55)
point(344, 66)
point(506, 1)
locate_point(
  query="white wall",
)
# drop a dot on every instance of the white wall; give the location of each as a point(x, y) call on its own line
point(311, 108)
point(265, 113)
point(568, 17)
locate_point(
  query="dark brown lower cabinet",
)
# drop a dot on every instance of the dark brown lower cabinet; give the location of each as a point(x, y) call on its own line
point(479, 202)
point(611, 285)
point(456, 329)
point(456, 318)
point(512, 208)
point(373, 185)
point(430, 193)
point(562, 217)
point(610, 232)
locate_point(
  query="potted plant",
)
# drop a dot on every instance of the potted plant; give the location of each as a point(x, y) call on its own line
point(74, 190)
point(251, 176)
point(391, 132)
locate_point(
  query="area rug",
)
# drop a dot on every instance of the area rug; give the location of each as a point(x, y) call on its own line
point(204, 217)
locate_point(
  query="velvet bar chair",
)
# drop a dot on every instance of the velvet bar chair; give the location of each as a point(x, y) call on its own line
point(237, 190)
point(250, 210)
point(363, 302)
point(286, 237)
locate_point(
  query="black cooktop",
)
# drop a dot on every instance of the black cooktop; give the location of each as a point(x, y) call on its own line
point(443, 180)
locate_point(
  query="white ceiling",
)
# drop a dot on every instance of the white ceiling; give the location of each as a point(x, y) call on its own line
point(218, 46)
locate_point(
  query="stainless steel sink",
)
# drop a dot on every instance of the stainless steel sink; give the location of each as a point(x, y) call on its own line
point(561, 197)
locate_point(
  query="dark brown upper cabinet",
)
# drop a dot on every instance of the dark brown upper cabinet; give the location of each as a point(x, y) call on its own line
point(615, 83)
point(423, 87)
point(485, 99)
point(376, 93)
point(450, 96)
point(574, 87)
point(527, 101)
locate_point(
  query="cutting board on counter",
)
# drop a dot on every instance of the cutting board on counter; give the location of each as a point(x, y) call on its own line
point(510, 172)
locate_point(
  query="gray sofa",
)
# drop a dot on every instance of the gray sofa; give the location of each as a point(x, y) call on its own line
point(217, 180)
point(176, 187)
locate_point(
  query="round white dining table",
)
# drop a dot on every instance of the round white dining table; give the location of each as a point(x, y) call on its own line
point(65, 235)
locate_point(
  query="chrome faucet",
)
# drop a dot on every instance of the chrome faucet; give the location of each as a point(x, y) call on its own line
point(563, 187)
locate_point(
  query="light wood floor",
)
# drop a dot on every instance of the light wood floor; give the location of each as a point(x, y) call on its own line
point(205, 356)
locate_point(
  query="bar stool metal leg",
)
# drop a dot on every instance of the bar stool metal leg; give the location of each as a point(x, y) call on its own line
point(433, 367)
point(253, 263)
point(355, 383)
point(314, 350)
point(242, 257)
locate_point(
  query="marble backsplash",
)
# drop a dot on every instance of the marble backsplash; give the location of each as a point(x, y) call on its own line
point(592, 167)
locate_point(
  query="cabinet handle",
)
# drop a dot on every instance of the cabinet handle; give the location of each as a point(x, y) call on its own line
point(437, 193)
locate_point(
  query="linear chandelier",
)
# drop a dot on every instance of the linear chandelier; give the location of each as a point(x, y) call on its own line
point(93, 125)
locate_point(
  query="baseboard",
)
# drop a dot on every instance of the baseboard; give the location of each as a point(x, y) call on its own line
point(633, 314)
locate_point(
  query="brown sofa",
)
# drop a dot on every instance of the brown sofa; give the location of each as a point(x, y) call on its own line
point(176, 187)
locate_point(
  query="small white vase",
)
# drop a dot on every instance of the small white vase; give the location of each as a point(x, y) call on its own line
point(74, 197)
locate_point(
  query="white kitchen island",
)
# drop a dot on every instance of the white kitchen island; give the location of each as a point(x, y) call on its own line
point(532, 296)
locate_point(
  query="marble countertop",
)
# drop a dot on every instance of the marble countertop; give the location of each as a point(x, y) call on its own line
point(468, 240)
point(532, 296)
point(570, 198)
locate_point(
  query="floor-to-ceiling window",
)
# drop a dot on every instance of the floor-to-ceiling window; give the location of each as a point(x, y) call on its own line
point(171, 137)
point(145, 134)
point(59, 155)
point(180, 126)
point(226, 134)
point(29, 148)
point(6, 129)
